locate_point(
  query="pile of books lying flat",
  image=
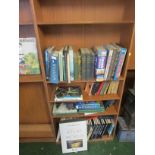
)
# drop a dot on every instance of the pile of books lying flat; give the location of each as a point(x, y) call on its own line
point(81, 107)
point(97, 63)
point(71, 93)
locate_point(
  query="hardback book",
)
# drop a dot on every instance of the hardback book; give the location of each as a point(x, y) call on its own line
point(65, 75)
point(54, 68)
point(71, 93)
point(73, 135)
point(68, 67)
point(95, 88)
point(64, 108)
point(79, 65)
point(101, 56)
point(83, 62)
point(104, 88)
point(100, 88)
point(75, 65)
point(28, 56)
point(71, 62)
point(47, 54)
point(111, 49)
point(115, 61)
point(60, 54)
point(121, 60)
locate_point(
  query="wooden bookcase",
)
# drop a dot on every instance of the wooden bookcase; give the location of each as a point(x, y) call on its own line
point(80, 23)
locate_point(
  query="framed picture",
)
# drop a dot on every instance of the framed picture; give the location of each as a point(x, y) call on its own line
point(73, 135)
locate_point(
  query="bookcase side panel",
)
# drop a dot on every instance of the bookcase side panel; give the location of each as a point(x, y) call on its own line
point(32, 108)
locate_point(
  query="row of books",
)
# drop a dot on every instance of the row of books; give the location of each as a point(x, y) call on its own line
point(100, 63)
point(100, 126)
point(96, 128)
point(81, 107)
point(101, 88)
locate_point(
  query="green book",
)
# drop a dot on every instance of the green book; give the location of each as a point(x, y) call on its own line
point(103, 88)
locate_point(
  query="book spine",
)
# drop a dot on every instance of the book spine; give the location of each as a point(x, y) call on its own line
point(103, 88)
point(71, 64)
point(47, 64)
point(115, 63)
point(68, 68)
point(79, 65)
point(88, 106)
point(54, 70)
point(60, 67)
point(110, 53)
point(120, 63)
point(99, 90)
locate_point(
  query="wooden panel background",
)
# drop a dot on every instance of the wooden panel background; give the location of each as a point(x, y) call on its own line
point(32, 108)
point(81, 35)
point(25, 15)
point(69, 11)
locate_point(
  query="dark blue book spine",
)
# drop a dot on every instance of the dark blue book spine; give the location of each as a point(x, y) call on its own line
point(47, 64)
point(54, 70)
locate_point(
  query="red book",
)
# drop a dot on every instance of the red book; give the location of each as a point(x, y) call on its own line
point(100, 88)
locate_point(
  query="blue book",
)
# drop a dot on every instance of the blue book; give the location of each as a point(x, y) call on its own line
point(120, 63)
point(47, 64)
point(54, 68)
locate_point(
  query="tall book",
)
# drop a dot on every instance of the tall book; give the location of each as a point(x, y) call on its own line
point(65, 63)
point(71, 62)
point(109, 59)
point(121, 59)
point(54, 68)
point(61, 64)
point(75, 65)
point(28, 57)
point(83, 63)
point(47, 54)
point(101, 56)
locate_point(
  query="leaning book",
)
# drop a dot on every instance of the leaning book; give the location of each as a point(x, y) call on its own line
point(28, 57)
point(73, 135)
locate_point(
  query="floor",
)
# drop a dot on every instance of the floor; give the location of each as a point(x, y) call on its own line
point(99, 148)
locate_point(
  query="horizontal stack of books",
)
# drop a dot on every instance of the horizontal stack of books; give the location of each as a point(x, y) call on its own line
point(102, 88)
point(81, 107)
point(98, 63)
point(100, 126)
point(68, 93)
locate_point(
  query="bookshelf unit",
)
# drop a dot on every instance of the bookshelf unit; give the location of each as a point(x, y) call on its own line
point(80, 23)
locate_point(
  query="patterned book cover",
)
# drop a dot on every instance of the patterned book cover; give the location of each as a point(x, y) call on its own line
point(28, 57)
point(54, 68)
point(121, 60)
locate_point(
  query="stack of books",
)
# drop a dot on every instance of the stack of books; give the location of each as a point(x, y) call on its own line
point(102, 88)
point(68, 93)
point(81, 107)
point(89, 107)
point(100, 126)
point(98, 63)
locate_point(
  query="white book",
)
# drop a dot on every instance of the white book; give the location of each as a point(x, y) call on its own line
point(61, 65)
point(73, 136)
point(71, 62)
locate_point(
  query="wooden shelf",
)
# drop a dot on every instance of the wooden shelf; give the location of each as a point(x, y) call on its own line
point(110, 111)
point(30, 78)
point(104, 138)
point(86, 97)
point(83, 81)
point(84, 22)
point(25, 23)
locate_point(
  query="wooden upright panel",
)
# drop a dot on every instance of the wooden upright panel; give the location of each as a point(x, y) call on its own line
point(25, 15)
point(33, 107)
